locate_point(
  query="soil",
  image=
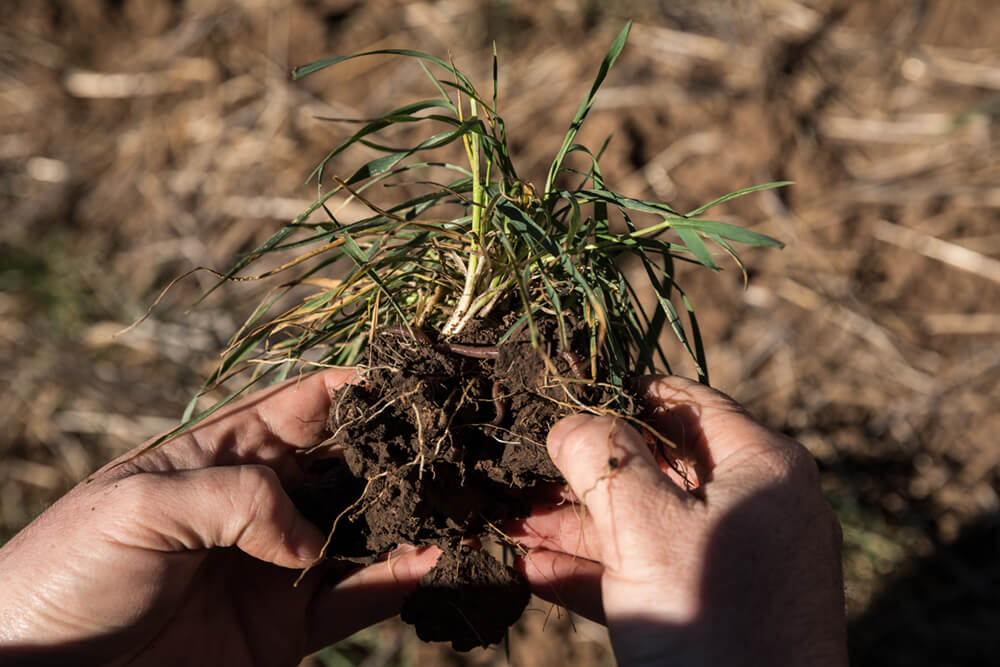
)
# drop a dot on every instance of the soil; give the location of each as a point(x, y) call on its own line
point(438, 447)
point(468, 598)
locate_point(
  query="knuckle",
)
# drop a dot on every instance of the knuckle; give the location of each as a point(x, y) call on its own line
point(794, 464)
point(590, 429)
point(675, 389)
point(579, 432)
point(802, 464)
point(139, 510)
point(258, 488)
point(792, 472)
point(138, 492)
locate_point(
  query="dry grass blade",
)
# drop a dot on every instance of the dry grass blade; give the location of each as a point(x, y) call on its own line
point(943, 251)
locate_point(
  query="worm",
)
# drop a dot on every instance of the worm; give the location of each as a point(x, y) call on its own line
point(474, 351)
point(576, 364)
point(459, 349)
point(499, 405)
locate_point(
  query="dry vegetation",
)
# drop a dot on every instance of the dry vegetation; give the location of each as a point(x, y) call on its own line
point(139, 139)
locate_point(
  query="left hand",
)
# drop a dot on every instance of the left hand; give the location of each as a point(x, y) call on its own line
point(186, 554)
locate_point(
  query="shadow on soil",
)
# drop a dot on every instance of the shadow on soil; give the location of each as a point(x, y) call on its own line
point(942, 610)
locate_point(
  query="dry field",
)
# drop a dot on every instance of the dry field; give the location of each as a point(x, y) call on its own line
point(142, 138)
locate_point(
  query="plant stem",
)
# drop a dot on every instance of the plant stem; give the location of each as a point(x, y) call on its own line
point(460, 316)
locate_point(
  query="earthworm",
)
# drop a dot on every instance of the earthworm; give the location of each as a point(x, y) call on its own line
point(576, 364)
point(499, 405)
point(474, 351)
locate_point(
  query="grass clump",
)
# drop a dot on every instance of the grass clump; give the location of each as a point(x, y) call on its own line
point(481, 239)
point(444, 439)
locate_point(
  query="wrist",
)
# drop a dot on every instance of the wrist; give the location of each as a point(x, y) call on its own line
point(652, 622)
point(640, 643)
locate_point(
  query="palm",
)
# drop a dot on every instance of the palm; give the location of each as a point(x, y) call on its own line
point(234, 610)
point(187, 554)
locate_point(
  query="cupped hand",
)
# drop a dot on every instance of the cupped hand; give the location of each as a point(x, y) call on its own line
point(186, 554)
point(744, 571)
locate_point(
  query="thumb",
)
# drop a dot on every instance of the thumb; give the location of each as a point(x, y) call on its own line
point(225, 506)
point(611, 470)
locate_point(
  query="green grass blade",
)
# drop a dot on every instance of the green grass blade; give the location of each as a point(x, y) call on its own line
point(310, 68)
point(729, 232)
point(581, 114)
point(622, 201)
point(697, 247)
point(739, 193)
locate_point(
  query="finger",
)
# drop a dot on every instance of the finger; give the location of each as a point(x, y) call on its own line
point(231, 506)
point(565, 580)
point(567, 528)
point(609, 466)
point(264, 428)
point(596, 453)
point(703, 421)
point(292, 413)
point(552, 493)
point(367, 596)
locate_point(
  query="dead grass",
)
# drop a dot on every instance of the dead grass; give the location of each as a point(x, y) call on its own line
point(140, 139)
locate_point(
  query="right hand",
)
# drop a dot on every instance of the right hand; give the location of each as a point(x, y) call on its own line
point(744, 572)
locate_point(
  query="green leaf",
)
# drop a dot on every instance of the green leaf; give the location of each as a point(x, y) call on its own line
point(609, 59)
point(305, 70)
point(697, 247)
point(728, 231)
point(624, 202)
point(739, 193)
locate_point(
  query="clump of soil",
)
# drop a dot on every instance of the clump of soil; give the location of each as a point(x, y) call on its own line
point(441, 442)
point(469, 598)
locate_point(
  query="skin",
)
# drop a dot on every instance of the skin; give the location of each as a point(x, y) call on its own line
point(745, 571)
point(186, 554)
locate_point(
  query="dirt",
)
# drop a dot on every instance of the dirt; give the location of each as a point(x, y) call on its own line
point(438, 446)
point(469, 598)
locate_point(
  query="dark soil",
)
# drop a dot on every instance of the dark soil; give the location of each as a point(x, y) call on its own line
point(468, 598)
point(438, 447)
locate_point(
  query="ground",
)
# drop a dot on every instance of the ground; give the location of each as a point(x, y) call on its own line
point(141, 139)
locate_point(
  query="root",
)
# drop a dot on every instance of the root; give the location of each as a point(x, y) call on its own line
point(329, 538)
point(469, 623)
point(420, 441)
point(507, 539)
point(392, 570)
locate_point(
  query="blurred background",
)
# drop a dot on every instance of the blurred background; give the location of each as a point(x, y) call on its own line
point(142, 138)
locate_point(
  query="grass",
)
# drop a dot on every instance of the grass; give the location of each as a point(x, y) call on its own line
point(476, 238)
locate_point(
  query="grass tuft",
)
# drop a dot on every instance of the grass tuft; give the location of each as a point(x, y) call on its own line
point(459, 249)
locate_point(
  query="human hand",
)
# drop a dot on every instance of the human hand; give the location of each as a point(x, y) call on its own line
point(186, 554)
point(746, 571)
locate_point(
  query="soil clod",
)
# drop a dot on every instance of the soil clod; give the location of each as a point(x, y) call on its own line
point(469, 598)
point(440, 445)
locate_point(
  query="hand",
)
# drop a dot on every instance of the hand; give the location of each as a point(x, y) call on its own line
point(745, 571)
point(186, 554)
